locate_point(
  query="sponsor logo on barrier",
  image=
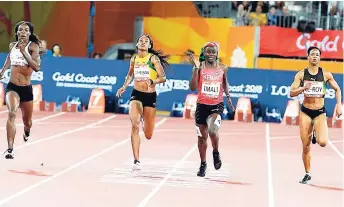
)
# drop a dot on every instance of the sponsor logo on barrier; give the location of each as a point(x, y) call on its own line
point(79, 80)
point(293, 43)
point(170, 85)
point(325, 45)
point(250, 91)
point(36, 76)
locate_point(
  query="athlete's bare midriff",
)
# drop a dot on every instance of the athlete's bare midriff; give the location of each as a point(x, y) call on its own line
point(21, 75)
point(143, 87)
point(314, 103)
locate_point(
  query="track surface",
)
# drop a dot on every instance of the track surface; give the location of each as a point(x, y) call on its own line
point(80, 159)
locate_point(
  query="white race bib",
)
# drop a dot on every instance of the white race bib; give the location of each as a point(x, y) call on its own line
point(211, 89)
point(141, 72)
point(316, 90)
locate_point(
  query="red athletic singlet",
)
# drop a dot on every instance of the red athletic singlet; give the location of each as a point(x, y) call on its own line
point(210, 86)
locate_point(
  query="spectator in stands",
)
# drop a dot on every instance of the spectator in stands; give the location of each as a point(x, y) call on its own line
point(236, 4)
point(286, 19)
point(242, 16)
point(43, 49)
point(279, 7)
point(334, 15)
point(258, 18)
point(264, 6)
point(56, 50)
point(97, 55)
point(272, 18)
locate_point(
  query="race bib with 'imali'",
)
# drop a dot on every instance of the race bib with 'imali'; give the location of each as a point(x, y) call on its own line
point(211, 89)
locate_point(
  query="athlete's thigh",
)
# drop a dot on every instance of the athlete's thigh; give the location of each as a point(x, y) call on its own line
point(135, 111)
point(321, 129)
point(201, 115)
point(306, 128)
point(12, 101)
point(26, 108)
point(149, 119)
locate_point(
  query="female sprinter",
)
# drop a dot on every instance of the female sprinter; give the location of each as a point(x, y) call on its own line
point(210, 78)
point(23, 59)
point(147, 69)
point(312, 83)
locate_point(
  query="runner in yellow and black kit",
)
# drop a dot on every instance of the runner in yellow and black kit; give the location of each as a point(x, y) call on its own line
point(147, 69)
point(312, 83)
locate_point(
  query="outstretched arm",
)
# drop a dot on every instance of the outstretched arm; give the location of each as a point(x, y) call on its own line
point(195, 73)
point(130, 74)
point(159, 69)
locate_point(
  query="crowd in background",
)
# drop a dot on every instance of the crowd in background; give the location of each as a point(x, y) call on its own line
point(261, 13)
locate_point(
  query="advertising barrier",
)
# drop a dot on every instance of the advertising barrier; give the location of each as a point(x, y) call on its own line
point(288, 42)
point(77, 77)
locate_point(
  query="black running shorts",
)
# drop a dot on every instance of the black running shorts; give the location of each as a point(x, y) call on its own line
point(25, 92)
point(147, 99)
point(312, 113)
point(203, 111)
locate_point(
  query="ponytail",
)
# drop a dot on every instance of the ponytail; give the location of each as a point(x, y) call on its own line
point(163, 58)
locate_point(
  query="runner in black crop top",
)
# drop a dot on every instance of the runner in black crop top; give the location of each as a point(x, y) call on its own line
point(312, 83)
point(24, 59)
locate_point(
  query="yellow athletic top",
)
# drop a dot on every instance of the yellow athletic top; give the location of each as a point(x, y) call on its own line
point(144, 68)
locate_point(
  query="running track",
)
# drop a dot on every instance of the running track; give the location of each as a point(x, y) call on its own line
point(80, 159)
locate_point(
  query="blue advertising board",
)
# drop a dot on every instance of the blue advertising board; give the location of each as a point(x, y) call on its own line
point(66, 76)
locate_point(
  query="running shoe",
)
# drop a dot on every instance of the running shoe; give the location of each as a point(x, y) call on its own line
point(136, 166)
point(26, 135)
point(305, 179)
point(217, 160)
point(202, 169)
point(9, 154)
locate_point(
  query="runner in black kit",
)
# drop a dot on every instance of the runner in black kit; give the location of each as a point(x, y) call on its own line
point(312, 83)
point(23, 58)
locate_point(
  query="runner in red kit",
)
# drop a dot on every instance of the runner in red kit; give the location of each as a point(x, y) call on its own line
point(210, 78)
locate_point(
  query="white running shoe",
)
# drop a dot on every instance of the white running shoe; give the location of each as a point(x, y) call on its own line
point(136, 166)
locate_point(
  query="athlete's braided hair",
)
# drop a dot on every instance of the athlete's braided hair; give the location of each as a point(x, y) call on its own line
point(33, 37)
point(159, 53)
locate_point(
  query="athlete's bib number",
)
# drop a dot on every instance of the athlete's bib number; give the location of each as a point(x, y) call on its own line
point(211, 89)
point(141, 72)
point(316, 90)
